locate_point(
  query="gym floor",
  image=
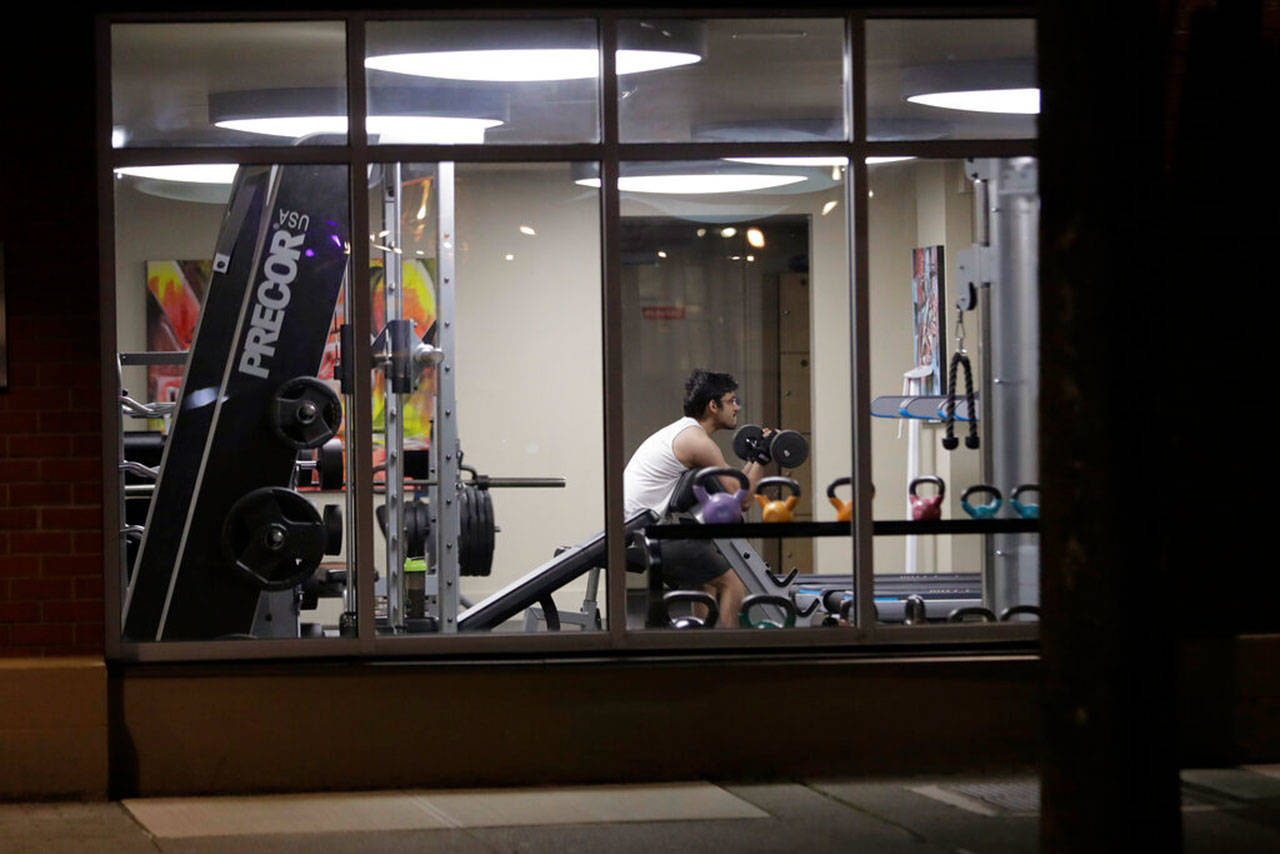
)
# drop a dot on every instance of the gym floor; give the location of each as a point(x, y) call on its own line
point(1224, 810)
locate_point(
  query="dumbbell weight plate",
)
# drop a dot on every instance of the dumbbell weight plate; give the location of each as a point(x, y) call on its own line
point(789, 449)
point(746, 439)
point(304, 412)
point(484, 557)
point(329, 465)
point(273, 538)
point(466, 530)
point(332, 518)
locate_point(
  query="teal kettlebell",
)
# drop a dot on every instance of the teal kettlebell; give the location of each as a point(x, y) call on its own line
point(758, 599)
point(1026, 510)
point(982, 511)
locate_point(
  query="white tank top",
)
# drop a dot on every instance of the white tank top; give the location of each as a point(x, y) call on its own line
point(650, 476)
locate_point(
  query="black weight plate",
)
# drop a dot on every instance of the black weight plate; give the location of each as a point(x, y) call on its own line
point(416, 529)
point(789, 449)
point(333, 529)
point(485, 558)
point(274, 538)
point(305, 412)
point(329, 465)
point(746, 439)
point(466, 530)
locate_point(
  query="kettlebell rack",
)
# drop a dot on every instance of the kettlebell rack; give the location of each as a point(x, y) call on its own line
point(880, 528)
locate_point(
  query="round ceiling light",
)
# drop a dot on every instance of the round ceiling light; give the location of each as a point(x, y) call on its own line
point(523, 65)
point(529, 51)
point(450, 114)
point(792, 161)
point(184, 173)
point(999, 86)
point(1023, 102)
point(697, 184)
point(388, 129)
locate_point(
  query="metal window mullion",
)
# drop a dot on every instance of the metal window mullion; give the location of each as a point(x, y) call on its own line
point(860, 325)
point(611, 315)
point(445, 435)
point(113, 549)
point(359, 316)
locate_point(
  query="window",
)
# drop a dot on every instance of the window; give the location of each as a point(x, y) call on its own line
point(417, 390)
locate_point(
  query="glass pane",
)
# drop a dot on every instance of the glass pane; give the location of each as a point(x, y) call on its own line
point(233, 444)
point(482, 81)
point(228, 84)
point(951, 79)
point(499, 416)
point(935, 228)
point(737, 80)
point(738, 270)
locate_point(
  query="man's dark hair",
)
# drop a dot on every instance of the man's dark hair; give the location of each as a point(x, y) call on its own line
point(702, 387)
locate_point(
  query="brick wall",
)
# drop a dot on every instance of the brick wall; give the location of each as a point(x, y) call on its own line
point(50, 415)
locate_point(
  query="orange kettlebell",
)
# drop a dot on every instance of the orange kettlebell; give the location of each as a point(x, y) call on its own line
point(844, 509)
point(779, 510)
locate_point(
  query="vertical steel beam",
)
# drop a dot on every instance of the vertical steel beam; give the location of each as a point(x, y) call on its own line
point(445, 437)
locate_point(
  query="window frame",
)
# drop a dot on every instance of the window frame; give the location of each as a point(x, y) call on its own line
point(610, 152)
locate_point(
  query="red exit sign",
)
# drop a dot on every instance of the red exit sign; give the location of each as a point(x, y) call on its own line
point(662, 312)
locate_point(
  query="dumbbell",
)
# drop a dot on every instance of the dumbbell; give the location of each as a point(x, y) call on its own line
point(981, 511)
point(787, 447)
point(718, 507)
point(779, 510)
point(926, 509)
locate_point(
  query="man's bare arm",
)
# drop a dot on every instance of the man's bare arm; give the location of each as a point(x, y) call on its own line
point(695, 449)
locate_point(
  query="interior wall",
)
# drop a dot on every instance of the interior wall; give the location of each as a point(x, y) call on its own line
point(913, 204)
point(530, 383)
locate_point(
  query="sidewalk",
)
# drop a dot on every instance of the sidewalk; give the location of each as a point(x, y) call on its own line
point(1224, 810)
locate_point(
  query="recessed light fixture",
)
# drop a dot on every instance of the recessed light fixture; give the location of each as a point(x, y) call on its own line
point(528, 229)
point(697, 184)
point(751, 258)
point(1004, 86)
point(662, 254)
point(185, 173)
point(524, 65)
point(728, 231)
point(702, 232)
point(1025, 102)
point(453, 114)
point(531, 51)
point(829, 207)
point(792, 161)
point(755, 237)
point(509, 257)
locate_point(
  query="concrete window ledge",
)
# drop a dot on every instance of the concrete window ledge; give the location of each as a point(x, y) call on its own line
point(53, 728)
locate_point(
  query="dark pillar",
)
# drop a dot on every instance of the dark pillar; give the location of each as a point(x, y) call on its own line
point(1110, 771)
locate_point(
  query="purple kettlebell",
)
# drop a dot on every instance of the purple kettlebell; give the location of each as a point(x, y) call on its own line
point(720, 506)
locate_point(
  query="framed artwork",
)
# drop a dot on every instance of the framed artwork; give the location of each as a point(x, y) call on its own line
point(927, 321)
point(175, 292)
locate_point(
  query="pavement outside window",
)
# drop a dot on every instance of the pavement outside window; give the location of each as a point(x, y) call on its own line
point(1224, 810)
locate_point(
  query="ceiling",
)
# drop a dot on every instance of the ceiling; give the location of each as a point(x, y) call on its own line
point(763, 79)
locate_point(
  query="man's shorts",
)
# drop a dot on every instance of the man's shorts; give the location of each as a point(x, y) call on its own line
point(690, 564)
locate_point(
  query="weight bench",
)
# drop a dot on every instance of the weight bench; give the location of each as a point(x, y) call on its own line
point(536, 587)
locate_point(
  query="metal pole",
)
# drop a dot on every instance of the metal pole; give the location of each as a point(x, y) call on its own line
point(393, 425)
point(446, 527)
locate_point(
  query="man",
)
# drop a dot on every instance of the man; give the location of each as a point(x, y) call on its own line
point(650, 479)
